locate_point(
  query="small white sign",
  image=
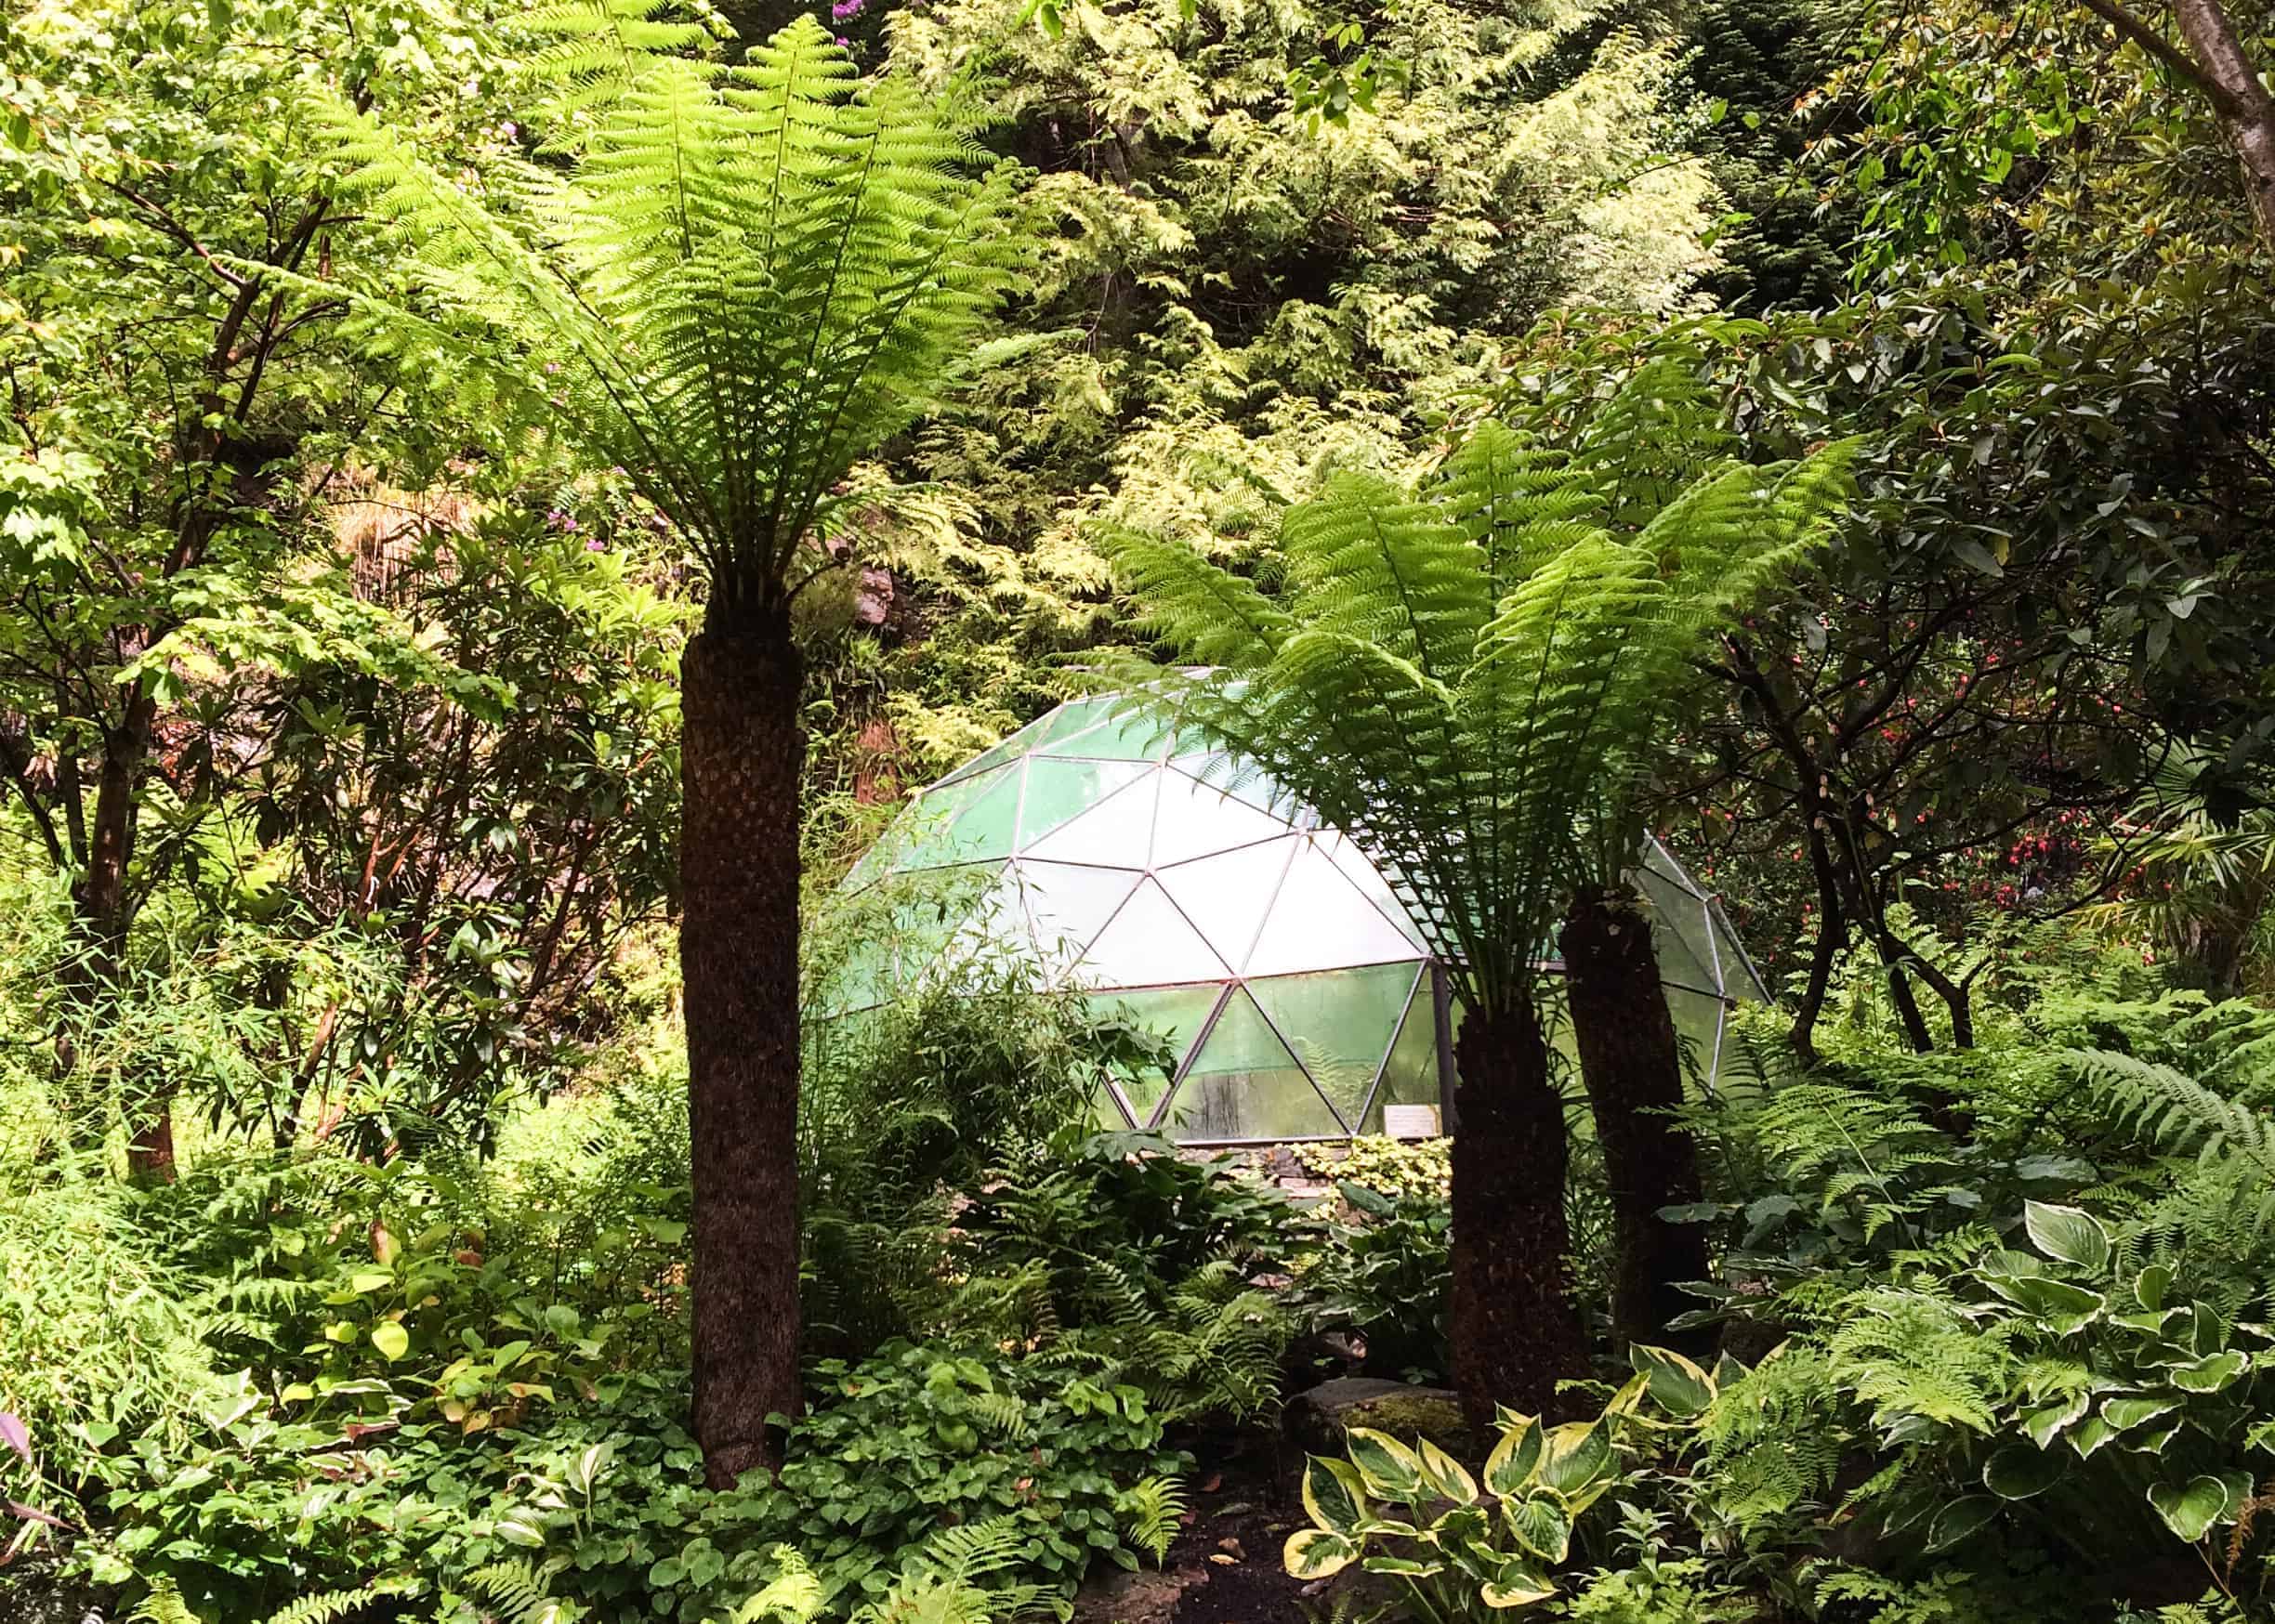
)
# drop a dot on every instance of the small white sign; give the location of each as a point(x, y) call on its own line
point(1410, 1121)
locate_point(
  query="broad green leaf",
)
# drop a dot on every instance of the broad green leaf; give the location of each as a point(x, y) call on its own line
point(1447, 1475)
point(370, 1280)
point(1403, 1566)
point(1385, 1466)
point(1518, 1586)
point(1333, 1494)
point(1958, 1520)
point(391, 1339)
point(2064, 1307)
point(2045, 1424)
point(2125, 1414)
point(2189, 1509)
point(2090, 1435)
point(1540, 1523)
point(2068, 1234)
point(2150, 1285)
point(2213, 1373)
point(2018, 1472)
point(1577, 1455)
point(1316, 1552)
point(1509, 1467)
point(1677, 1385)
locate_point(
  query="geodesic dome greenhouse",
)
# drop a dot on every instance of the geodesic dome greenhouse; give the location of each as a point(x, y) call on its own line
point(1299, 996)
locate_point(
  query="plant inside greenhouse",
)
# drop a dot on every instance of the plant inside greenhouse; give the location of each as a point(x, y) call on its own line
point(997, 811)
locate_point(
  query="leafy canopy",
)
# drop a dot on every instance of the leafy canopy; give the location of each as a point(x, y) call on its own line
point(1467, 676)
point(750, 277)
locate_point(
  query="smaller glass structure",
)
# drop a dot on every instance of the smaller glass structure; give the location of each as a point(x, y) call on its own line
point(1300, 998)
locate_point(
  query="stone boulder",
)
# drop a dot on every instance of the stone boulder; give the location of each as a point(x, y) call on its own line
point(1318, 1418)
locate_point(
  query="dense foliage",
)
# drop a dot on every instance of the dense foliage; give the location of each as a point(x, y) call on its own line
point(491, 496)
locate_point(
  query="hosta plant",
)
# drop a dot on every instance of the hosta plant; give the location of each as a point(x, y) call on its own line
point(2119, 1397)
point(1465, 1545)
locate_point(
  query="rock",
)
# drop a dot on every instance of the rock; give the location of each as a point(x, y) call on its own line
point(1319, 1418)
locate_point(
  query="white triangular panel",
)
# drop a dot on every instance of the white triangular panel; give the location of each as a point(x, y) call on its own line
point(1149, 943)
point(1322, 922)
point(1228, 895)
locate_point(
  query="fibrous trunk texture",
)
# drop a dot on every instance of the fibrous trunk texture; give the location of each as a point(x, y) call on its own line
point(741, 753)
point(1632, 1065)
point(2246, 110)
point(1515, 1328)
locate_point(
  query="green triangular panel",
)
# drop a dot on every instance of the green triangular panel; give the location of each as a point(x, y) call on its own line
point(1176, 1014)
point(1342, 1023)
point(1058, 792)
point(1410, 1077)
point(1245, 1084)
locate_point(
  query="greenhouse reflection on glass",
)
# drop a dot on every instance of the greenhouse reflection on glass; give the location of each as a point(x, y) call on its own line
point(1150, 871)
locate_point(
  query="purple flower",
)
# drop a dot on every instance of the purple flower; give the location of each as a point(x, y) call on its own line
point(843, 9)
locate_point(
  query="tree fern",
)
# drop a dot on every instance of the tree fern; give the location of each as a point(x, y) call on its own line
point(750, 277)
point(1469, 677)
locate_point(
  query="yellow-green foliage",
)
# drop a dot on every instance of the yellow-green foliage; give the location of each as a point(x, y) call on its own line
point(1396, 1167)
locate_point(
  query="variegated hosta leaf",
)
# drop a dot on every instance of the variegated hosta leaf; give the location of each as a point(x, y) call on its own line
point(1518, 1585)
point(1578, 1454)
point(2150, 1285)
point(2068, 1234)
point(2018, 1472)
point(1510, 1465)
point(1540, 1523)
point(2046, 1422)
point(1387, 1467)
point(2089, 1434)
point(1677, 1385)
point(2213, 1373)
point(1333, 1494)
point(1316, 1552)
point(2191, 1509)
point(1448, 1476)
point(1402, 1566)
point(2130, 1411)
point(1959, 1519)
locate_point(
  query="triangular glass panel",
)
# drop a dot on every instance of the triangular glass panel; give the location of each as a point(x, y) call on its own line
point(1176, 1014)
point(1067, 903)
point(1740, 978)
point(1075, 717)
point(1193, 820)
point(985, 827)
point(1149, 943)
point(1245, 1084)
point(1678, 934)
point(1131, 735)
point(1342, 1023)
point(1320, 922)
point(1227, 895)
point(1410, 1075)
point(1118, 832)
point(919, 836)
point(1058, 792)
point(1371, 882)
point(1242, 781)
point(1017, 745)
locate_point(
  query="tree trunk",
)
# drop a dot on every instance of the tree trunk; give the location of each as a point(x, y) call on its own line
point(2216, 64)
point(1632, 1063)
point(740, 756)
point(1515, 1328)
point(2244, 106)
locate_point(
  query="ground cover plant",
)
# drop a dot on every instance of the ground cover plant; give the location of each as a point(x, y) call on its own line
point(500, 506)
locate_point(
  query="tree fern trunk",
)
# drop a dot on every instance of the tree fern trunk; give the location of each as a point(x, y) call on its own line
point(740, 756)
point(1515, 1328)
point(1632, 1067)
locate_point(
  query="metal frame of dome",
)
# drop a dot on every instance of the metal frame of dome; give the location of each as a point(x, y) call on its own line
point(1301, 996)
